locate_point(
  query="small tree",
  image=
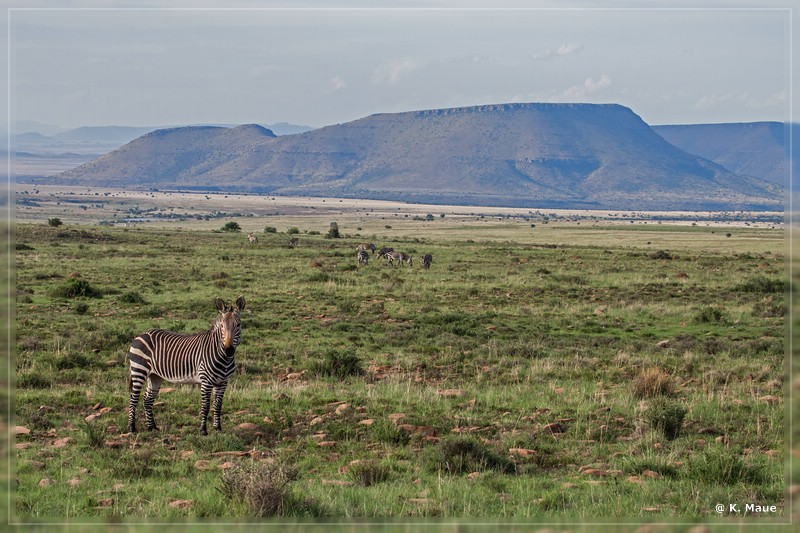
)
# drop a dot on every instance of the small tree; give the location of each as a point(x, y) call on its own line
point(333, 232)
point(232, 226)
point(54, 222)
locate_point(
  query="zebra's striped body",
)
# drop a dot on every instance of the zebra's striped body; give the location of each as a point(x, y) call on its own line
point(252, 239)
point(294, 242)
point(384, 251)
point(363, 257)
point(366, 246)
point(427, 259)
point(205, 358)
point(399, 257)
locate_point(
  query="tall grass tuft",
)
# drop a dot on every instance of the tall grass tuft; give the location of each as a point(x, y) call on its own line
point(652, 382)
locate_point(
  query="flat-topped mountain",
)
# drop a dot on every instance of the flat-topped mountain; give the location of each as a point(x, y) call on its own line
point(526, 155)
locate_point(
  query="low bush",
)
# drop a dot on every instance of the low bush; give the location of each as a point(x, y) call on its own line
point(666, 416)
point(338, 364)
point(463, 455)
point(263, 487)
point(75, 288)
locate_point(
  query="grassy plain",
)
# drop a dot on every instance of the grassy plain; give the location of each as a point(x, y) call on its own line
point(578, 369)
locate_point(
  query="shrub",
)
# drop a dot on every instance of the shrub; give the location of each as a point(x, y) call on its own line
point(338, 364)
point(387, 432)
point(368, 473)
point(231, 226)
point(270, 229)
point(666, 416)
point(722, 467)
point(293, 231)
point(764, 285)
point(54, 222)
point(74, 288)
point(710, 315)
point(132, 297)
point(652, 382)
point(333, 231)
point(463, 455)
point(261, 486)
point(32, 380)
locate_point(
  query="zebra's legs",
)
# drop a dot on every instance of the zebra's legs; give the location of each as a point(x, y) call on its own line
point(135, 383)
point(205, 404)
point(153, 385)
point(219, 392)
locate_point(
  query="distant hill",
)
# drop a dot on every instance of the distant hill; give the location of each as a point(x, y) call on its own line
point(526, 155)
point(759, 149)
point(105, 134)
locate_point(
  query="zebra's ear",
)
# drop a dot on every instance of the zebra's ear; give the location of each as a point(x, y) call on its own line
point(220, 304)
point(240, 303)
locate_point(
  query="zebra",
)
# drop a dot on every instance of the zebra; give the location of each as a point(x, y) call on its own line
point(205, 358)
point(385, 250)
point(252, 239)
point(366, 246)
point(294, 242)
point(400, 257)
point(427, 259)
point(363, 257)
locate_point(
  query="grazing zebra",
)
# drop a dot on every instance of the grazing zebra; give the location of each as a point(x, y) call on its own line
point(400, 257)
point(427, 259)
point(366, 246)
point(294, 242)
point(363, 257)
point(205, 358)
point(385, 250)
point(252, 239)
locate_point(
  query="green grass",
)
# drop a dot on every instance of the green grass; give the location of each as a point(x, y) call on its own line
point(502, 345)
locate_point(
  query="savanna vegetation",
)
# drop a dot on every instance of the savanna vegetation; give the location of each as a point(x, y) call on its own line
point(518, 379)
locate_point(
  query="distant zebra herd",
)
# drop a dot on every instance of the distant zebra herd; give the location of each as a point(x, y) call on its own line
point(388, 253)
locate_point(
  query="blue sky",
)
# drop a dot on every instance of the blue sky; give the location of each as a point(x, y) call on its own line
point(96, 63)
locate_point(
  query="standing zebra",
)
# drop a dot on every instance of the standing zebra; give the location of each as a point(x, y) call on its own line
point(427, 259)
point(363, 257)
point(205, 358)
point(385, 250)
point(294, 242)
point(366, 246)
point(252, 239)
point(400, 257)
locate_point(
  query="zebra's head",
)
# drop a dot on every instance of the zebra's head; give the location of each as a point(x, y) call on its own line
point(229, 323)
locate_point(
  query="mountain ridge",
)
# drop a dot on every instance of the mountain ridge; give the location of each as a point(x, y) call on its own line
point(516, 154)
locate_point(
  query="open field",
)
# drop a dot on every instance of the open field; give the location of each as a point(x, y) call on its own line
point(558, 367)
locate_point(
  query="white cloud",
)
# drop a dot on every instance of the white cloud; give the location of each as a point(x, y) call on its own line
point(775, 99)
point(391, 71)
point(711, 101)
point(338, 83)
point(563, 50)
point(588, 86)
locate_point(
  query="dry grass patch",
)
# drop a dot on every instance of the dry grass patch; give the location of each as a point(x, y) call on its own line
point(652, 382)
